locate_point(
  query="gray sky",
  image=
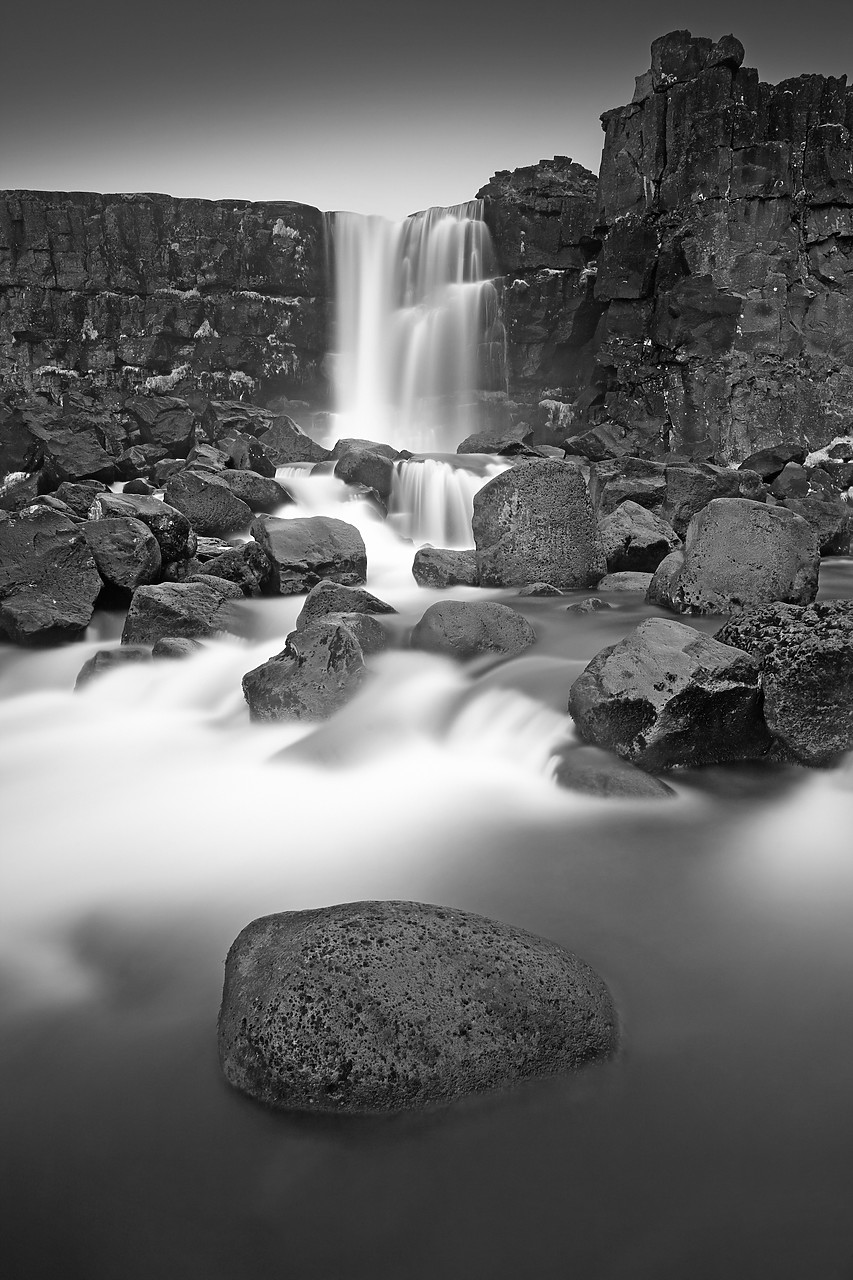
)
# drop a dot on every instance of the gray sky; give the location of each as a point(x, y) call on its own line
point(379, 107)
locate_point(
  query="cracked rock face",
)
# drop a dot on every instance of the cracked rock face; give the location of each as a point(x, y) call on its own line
point(389, 1006)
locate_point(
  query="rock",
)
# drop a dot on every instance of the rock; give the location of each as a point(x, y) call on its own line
point(636, 540)
point(165, 421)
point(440, 1004)
point(438, 567)
point(126, 552)
point(74, 456)
point(831, 520)
point(535, 522)
point(138, 461)
point(170, 527)
point(669, 696)
point(593, 772)
point(791, 482)
point(626, 581)
point(806, 659)
point(176, 647)
point(368, 467)
point(107, 660)
point(247, 454)
point(366, 629)
point(690, 488)
point(465, 629)
point(80, 496)
point(592, 604)
point(506, 441)
point(737, 554)
point(768, 463)
point(331, 597)
point(284, 442)
point(319, 669)
point(631, 479)
point(536, 589)
point(48, 579)
point(604, 440)
point(248, 566)
point(259, 493)
point(207, 501)
point(190, 610)
point(18, 491)
point(350, 444)
point(304, 552)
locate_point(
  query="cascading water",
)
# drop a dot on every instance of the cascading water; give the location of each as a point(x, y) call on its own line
point(418, 332)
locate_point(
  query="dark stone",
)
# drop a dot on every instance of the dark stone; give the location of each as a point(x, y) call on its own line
point(247, 565)
point(75, 456)
point(141, 487)
point(592, 604)
point(352, 444)
point(791, 482)
point(769, 462)
point(669, 696)
point(192, 610)
point(170, 527)
point(304, 552)
point(247, 454)
point(831, 520)
point(506, 441)
point(636, 540)
point(332, 597)
point(284, 442)
point(593, 772)
point(317, 672)
point(138, 461)
point(20, 493)
point(108, 660)
point(438, 567)
point(626, 580)
point(536, 589)
point(126, 552)
point(465, 629)
point(176, 647)
point(259, 492)
point(80, 496)
point(368, 467)
point(207, 501)
point(165, 421)
point(441, 1003)
point(48, 579)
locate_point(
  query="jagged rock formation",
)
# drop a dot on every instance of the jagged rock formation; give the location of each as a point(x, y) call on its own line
point(155, 293)
point(717, 317)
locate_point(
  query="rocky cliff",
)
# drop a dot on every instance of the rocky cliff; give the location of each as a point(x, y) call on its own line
point(700, 295)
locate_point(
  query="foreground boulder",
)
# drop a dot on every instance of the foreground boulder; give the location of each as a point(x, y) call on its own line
point(170, 527)
point(193, 610)
point(331, 597)
point(126, 552)
point(388, 1006)
point(636, 540)
point(806, 659)
point(319, 669)
point(466, 628)
point(48, 578)
point(535, 523)
point(207, 501)
point(439, 567)
point(738, 553)
point(306, 551)
point(668, 695)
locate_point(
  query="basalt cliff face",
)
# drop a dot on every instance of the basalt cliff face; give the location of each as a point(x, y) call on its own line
point(147, 292)
point(700, 293)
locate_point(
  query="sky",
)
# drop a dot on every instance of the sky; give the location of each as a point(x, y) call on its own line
point(376, 106)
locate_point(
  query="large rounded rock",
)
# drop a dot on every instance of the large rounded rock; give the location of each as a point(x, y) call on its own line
point(535, 523)
point(106, 660)
point(246, 565)
point(387, 1006)
point(331, 597)
point(466, 628)
point(193, 610)
point(590, 771)
point(48, 578)
point(441, 567)
point(126, 552)
point(668, 695)
point(259, 492)
point(319, 669)
point(636, 540)
point(304, 552)
point(170, 527)
point(206, 500)
point(737, 554)
point(806, 658)
point(285, 442)
point(831, 519)
point(166, 421)
point(367, 467)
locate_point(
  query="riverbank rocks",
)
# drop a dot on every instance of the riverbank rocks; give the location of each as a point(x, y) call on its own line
point(331, 597)
point(668, 695)
point(319, 669)
point(806, 659)
point(635, 539)
point(206, 499)
point(390, 1006)
point(126, 552)
point(259, 492)
point(738, 553)
point(246, 565)
point(535, 523)
point(306, 551)
point(440, 567)
point(831, 520)
point(173, 531)
point(192, 610)
point(467, 628)
point(286, 443)
point(49, 581)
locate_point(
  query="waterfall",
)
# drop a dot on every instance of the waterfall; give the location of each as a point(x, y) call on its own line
point(417, 326)
point(432, 500)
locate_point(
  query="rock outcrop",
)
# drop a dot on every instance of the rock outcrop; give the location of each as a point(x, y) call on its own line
point(48, 579)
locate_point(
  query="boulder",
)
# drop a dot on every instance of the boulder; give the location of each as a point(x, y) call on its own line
point(831, 520)
point(331, 597)
point(80, 495)
point(48, 578)
point(245, 453)
point(626, 581)
point(176, 647)
point(170, 527)
point(307, 551)
point(74, 455)
point(737, 554)
point(806, 659)
point(539, 589)
point(535, 523)
point(635, 539)
point(465, 629)
point(592, 604)
point(246, 565)
point(440, 1003)
point(668, 695)
point(191, 610)
point(259, 492)
point(207, 501)
point(138, 461)
point(791, 482)
point(284, 442)
point(126, 552)
point(593, 772)
point(108, 659)
point(630, 479)
point(768, 463)
point(675, 491)
point(368, 467)
point(165, 421)
point(350, 444)
point(439, 567)
point(366, 628)
point(319, 669)
point(507, 441)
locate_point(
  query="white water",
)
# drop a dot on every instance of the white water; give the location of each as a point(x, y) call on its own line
point(415, 312)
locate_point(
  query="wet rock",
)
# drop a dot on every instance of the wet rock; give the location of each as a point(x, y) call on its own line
point(536, 589)
point(535, 522)
point(366, 629)
point(636, 540)
point(791, 482)
point(245, 453)
point(806, 659)
point(592, 604)
point(108, 660)
point(464, 629)
point(738, 554)
point(207, 501)
point(768, 463)
point(75, 456)
point(79, 496)
point(605, 440)
point(260, 493)
point(667, 696)
point(438, 567)
point(191, 610)
point(248, 566)
point(831, 520)
point(626, 581)
point(138, 461)
point(440, 1004)
point(305, 552)
point(284, 442)
point(176, 647)
point(165, 421)
point(507, 441)
point(126, 552)
point(632, 479)
point(140, 487)
point(48, 579)
point(332, 597)
point(170, 527)
point(350, 444)
point(18, 491)
point(594, 772)
point(368, 467)
point(690, 488)
point(318, 671)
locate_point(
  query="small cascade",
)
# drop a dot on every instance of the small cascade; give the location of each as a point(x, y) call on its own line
point(418, 332)
point(433, 500)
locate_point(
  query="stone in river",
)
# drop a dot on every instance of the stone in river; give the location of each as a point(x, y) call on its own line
point(304, 552)
point(49, 581)
point(466, 628)
point(318, 671)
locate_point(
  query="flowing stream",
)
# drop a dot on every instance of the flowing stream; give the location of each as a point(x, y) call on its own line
point(144, 821)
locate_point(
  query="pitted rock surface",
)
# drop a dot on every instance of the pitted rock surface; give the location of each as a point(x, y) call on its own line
point(467, 628)
point(306, 551)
